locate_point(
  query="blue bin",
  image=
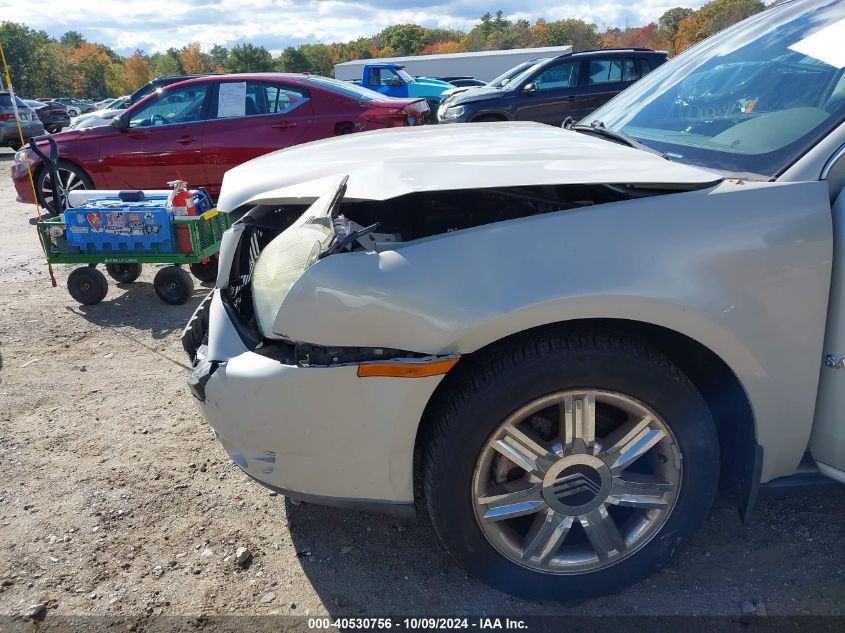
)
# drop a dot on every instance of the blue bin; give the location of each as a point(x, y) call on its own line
point(113, 226)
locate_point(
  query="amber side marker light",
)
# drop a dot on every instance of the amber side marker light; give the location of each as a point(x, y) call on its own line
point(406, 370)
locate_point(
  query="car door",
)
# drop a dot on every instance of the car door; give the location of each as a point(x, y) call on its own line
point(550, 95)
point(827, 441)
point(162, 142)
point(604, 78)
point(250, 118)
point(387, 81)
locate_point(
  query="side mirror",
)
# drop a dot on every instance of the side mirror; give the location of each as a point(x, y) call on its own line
point(529, 89)
point(120, 122)
point(396, 83)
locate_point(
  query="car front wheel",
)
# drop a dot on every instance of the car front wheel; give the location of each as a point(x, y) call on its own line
point(562, 467)
point(71, 178)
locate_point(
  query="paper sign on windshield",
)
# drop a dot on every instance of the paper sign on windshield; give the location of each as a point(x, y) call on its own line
point(825, 45)
point(232, 99)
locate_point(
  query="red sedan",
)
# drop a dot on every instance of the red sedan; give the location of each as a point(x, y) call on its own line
point(199, 128)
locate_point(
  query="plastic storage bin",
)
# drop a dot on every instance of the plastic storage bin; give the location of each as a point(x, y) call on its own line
point(114, 226)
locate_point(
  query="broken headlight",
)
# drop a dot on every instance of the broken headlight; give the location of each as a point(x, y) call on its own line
point(280, 264)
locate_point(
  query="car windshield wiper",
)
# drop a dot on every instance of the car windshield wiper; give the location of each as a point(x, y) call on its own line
point(598, 128)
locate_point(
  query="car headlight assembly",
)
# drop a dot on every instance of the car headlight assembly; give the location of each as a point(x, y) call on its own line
point(453, 112)
point(20, 156)
point(278, 267)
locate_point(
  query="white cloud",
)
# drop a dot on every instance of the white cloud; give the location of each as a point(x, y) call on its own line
point(154, 25)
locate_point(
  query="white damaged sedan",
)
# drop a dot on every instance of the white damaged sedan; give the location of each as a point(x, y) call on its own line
point(559, 343)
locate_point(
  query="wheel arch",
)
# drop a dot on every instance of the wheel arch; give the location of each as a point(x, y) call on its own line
point(718, 384)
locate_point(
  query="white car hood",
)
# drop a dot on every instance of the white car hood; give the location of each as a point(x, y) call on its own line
point(389, 163)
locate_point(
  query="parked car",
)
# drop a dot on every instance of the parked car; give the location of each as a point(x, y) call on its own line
point(392, 80)
point(560, 343)
point(571, 85)
point(75, 107)
point(52, 114)
point(103, 116)
point(498, 82)
point(30, 123)
point(201, 127)
point(463, 81)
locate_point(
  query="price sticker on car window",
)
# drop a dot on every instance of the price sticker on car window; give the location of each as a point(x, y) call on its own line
point(231, 99)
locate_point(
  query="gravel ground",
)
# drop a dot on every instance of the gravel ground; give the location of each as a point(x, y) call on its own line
point(115, 498)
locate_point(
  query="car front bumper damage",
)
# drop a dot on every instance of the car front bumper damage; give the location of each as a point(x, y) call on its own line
point(321, 434)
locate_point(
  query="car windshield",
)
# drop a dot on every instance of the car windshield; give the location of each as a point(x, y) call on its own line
point(510, 73)
point(405, 76)
point(750, 100)
point(346, 88)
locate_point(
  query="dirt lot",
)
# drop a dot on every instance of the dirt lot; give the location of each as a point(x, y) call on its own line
point(116, 499)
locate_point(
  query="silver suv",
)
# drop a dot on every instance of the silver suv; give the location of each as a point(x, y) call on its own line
point(30, 123)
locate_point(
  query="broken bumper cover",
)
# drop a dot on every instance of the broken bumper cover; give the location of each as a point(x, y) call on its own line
point(320, 434)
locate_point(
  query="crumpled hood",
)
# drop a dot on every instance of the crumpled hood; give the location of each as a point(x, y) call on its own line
point(389, 163)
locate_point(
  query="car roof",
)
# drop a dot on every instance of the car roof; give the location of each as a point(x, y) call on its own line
point(242, 76)
point(610, 51)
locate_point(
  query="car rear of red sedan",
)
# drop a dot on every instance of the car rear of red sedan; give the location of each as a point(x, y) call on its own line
point(200, 128)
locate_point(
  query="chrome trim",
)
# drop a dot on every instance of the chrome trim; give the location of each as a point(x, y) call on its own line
point(832, 161)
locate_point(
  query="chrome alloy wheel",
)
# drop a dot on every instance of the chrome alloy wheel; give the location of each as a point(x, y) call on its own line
point(576, 481)
point(68, 181)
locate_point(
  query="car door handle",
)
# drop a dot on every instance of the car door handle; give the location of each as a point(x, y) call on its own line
point(186, 140)
point(284, 125)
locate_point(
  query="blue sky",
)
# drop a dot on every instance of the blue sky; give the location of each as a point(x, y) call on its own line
point(154, 25)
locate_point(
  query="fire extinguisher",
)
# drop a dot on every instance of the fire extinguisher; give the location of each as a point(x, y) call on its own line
point(180, 202)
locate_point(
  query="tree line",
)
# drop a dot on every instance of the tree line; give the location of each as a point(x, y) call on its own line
point(43, 66)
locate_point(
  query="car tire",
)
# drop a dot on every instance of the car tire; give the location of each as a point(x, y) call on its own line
point(205, 271)
point(576, 537)
point(173, 285)
point(72, 177)
point(124, 273)
point(87, 285)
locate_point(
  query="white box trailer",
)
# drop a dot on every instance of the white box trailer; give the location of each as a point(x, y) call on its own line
point(484, 65)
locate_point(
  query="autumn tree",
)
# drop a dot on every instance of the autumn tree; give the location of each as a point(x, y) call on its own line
point(91, 64)
point(712, 18)
point(668, 25)
point(193, 60)
point(138, 70)
point(581, 35)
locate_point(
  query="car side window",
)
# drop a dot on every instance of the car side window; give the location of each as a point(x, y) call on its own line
point(629, 70)
point(604, 71)
point(645, 66)
point(559, 76)
point(183, 105)
point(281, 98)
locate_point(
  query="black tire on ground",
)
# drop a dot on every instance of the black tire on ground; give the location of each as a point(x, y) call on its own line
point(124, 273)
point(205, 271)
point(87, 285)
point(73, 178)
point(494, 383)
point(196, 331)
point(173, 285)
point(344, 129)
point(53, 129)
point(15, 145)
